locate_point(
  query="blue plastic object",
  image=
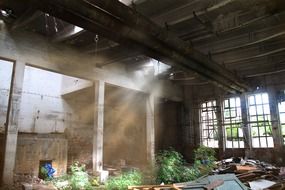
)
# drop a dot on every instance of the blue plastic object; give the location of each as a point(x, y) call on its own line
point(49, 169)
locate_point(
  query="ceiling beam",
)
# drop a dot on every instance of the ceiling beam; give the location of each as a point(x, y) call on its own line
point(244, 28)
point(273, 52)
point(152, 40)
point(27, 17)
point(267, 38)
point(139, 22)
point(181, 14)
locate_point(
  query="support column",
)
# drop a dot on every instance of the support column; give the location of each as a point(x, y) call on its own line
point(150, 131)
point(245, 126)
point(11, 132)
point(98, 126)
point(221, 135)
point(276, 128)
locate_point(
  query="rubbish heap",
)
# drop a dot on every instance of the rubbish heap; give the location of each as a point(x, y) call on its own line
point(232, 174)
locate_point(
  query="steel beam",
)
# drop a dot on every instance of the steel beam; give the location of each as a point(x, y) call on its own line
point(156, 43)
point(134, 19)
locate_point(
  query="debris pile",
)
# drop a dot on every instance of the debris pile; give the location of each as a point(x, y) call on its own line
point(232, 173)
point(253, 173)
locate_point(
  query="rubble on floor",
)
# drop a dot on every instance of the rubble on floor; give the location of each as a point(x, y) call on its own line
point(232, 173)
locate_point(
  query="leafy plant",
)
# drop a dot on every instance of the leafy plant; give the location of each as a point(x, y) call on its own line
point(204, 159)
point(44, 173)
point(172, 169)
point(124, 180)
point(77, 180)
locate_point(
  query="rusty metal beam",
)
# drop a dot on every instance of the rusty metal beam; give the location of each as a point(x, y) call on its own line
point(156, 42)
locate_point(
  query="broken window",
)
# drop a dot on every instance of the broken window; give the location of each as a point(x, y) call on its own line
point(209, 124)
point(233, 123)
point(260, 121)
point(281, 107)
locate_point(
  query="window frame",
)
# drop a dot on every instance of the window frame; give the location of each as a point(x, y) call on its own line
point(231, 121)
point(211, 119)
point(261, 118)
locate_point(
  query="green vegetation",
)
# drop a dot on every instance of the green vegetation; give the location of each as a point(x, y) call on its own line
point(44, 173)
point(233, 133)
point(77, 179)
point(171, 168)
point(124, 180)
point(204, 159)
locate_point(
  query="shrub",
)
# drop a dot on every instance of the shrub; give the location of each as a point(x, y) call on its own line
point(124, 180)
point(77, 180)
point(172, 169)
point(204, 159)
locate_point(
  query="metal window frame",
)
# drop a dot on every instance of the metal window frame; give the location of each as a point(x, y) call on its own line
point(265, 119)
point(232, 120)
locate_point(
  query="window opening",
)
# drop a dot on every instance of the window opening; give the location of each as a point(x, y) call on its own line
point(233, 123)
point(209, 124)
point(260, 120)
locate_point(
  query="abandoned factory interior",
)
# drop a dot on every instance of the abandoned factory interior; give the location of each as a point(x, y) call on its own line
point(142, 94)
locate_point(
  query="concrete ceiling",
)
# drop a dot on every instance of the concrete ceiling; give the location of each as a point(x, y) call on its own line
point(246, 37)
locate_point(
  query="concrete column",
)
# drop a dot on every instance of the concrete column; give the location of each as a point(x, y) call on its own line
point(219, 116)
point(276, 128)
point(150, 131)
point(245, 126)
point(11, 132)
point(98, 126)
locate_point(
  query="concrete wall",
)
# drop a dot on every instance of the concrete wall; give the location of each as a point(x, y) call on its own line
point(44, 110)
point(6, 68)
point(33, 148)
point(168, 125)
point(38, 51)
point(124, 127)
point(80, 129)
point(64, 105)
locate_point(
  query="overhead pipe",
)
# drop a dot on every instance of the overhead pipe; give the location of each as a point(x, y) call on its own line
point(92, 18)
point(133, 19)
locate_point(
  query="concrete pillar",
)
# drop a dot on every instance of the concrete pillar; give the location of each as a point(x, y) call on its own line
point(98, 126)
point(221, 130)
point(245, 126)
point(276, 128)
point(11, 132)
point(150, 131)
